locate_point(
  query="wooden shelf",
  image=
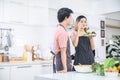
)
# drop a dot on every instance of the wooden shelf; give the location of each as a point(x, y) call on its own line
point(112, 26)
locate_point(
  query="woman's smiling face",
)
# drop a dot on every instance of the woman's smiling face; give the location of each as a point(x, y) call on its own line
point(82, 23)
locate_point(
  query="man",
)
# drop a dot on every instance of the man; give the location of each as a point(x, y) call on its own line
point(61, 42)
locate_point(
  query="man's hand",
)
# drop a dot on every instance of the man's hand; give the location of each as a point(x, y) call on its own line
point(63, 71)
point(63, 59)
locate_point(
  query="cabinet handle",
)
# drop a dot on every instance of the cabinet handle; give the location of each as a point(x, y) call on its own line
point(46, 65)
point(1, 68)
point(17, 22)
point(24, 66)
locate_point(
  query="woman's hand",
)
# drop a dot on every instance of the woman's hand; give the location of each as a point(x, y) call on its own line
point(79, 30)
point(91, 37)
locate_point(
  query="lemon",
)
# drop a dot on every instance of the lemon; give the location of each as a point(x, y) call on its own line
point(118, 67)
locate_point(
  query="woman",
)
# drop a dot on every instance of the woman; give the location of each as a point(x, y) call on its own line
point(84, 45)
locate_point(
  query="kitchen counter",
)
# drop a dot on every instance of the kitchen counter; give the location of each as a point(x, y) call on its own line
point(75, 76)
point(42, 62)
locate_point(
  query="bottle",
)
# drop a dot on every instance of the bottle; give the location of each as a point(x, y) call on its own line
point(24, 56)
point(5, 57)
point(29, 56)
point(0, 57)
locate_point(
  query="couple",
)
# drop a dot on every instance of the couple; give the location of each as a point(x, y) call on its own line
point(84, 46)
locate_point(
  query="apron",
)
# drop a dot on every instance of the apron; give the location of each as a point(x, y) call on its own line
point(58, 66)
point(84, 54)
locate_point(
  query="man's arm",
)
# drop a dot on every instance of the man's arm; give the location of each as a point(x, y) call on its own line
point(63, 59)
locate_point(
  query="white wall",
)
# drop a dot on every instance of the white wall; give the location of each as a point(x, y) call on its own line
point(82, 6)
point(106, 6)
point(87, 6)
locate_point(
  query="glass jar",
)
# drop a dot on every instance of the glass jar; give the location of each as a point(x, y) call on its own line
point(5, 57)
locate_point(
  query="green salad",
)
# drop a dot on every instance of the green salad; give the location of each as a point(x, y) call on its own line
point(90, 34)
point(87, 34)
point(109, 62)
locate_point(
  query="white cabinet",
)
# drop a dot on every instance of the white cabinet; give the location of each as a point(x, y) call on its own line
point(46, 69)
point(4, 73)
point(15, 11)
point(42, 3)
point(1, 10)
point(37, 16)
point(38, 12)
point(25, 72)
point(53, 17)
point(30, 12)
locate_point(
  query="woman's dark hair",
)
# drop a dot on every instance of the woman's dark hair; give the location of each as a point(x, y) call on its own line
point(80, 17)
point(62, 13)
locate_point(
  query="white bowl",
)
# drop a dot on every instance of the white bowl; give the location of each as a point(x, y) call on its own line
point(83, 68)
point(111, 74)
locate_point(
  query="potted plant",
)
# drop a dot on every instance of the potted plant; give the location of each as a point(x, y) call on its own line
point(114, 47)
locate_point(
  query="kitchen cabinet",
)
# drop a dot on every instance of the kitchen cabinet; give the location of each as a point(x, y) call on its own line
point(1, 10)
point(37, 16)
point(46, 69)
point(26, 12)
point(15, 11)
point(25, 72)
point(4, 73)
point(37, 12)
point(25, 2)
point(52, 17)
point(37, 3)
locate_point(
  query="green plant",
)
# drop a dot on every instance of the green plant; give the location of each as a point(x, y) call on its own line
point(115, 47)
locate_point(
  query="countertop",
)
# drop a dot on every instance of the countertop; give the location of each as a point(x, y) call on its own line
point(42, 62)
point(75, 76)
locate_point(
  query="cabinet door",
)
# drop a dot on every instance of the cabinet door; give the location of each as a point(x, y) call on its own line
point(38, 12)
point(1, 10)
point(38, 3)
point(15, 11)
point(46, 69)
point(37, 15)
point(4, 73)
point(25, 72)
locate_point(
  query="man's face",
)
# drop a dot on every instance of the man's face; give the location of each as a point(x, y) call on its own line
point(69, 20)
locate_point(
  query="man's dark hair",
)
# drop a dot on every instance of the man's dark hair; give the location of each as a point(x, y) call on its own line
point(62, 13)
